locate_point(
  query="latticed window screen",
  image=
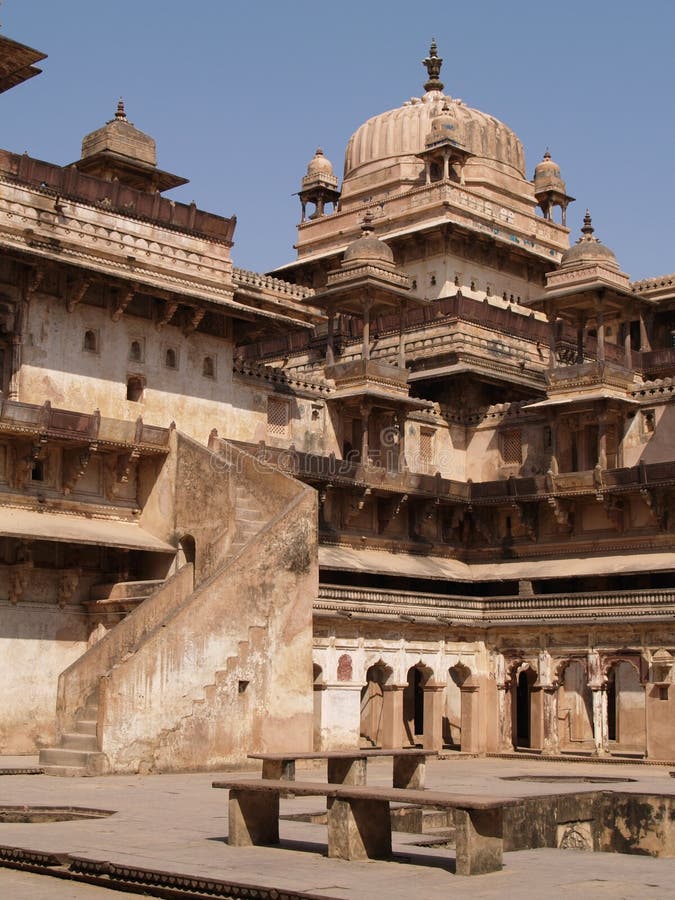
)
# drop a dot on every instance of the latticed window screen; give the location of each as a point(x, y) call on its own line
point(512, 447)
point(426, 447)
point(278, 417)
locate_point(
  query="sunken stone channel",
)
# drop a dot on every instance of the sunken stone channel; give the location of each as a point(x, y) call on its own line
point(35, 815)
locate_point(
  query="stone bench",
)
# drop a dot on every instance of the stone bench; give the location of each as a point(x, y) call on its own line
point(349, 766)
point(359, 819)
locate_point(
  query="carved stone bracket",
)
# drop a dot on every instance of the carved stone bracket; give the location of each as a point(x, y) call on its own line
point(18, 580)
point(119, 470)
point(76, 295)
point(614, 509)
point(526, 514)
point(170, 307)
point(196, 316)
point(656, 503)
point(68, 583)
point(562, 512)
point(124, 298)
point(356, 505)
point(78, 465)
point(389, 510)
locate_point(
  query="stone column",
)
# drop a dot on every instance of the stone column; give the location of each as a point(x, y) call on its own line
point(365, 352)
point(551, 338)
point(644, 334)
point(580, 339)
point(392, 716)
point(330, 343)
point(401, 416)
point(433, 716)
point(600, 337)
point(365, 426)
point(401, 336)
point(602, 440)
point(551, 744)
point(553, 426)
point(600, 719)
point(505, 723)
point(627, 349)
point(446, 165)
point(472, 736)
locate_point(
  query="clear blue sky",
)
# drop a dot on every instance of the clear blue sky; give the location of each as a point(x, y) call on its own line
point(239, 94)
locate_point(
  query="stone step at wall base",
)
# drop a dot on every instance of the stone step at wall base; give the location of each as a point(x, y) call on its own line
point(77, 741)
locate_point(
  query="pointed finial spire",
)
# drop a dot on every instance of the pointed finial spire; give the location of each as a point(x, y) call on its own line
point(433, 64)
point(547, 154)
point(587, 227)
point(120, 113)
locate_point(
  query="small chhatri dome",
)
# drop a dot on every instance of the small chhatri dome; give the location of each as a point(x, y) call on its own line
point(443, 126)
point(368, 248)
point(319, 164)
point(588, 250)
point(547, 176)
point(433, 64)
point(119, 151)
point(119, 136)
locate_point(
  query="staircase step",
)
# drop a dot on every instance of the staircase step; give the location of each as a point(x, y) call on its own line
point(248, 515)
point(62, 761)
point(86, 726)
point(75, 741)
point(90, 713)
point(62, 756)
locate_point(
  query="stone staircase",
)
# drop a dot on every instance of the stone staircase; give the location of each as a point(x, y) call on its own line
point(78, 751)
point(110, 602)
point(249, 519)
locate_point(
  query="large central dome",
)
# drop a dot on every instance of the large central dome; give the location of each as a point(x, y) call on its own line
point(402, 132)
point(384, 150)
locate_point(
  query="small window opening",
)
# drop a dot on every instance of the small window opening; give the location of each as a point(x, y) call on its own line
point(135, 389)
point(90, 342)
point(208, 368)
point(135, 351)
point(242, 686)
point(170, 359)
point(38, 473)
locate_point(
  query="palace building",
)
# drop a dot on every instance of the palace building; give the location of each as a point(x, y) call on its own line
point(413, 487)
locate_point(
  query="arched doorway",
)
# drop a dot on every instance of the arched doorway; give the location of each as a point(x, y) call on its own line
point(372, 705)
point(413, 704)
point(522, 708)
point(575, 708)
point(452, 707)
point(625, 709)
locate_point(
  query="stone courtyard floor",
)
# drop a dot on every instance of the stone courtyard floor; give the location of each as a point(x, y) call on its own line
point(178, 824)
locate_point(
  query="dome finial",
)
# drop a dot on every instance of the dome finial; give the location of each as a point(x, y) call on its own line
point(433, 64)
point(547, 153)
point(367, 224)
point(120, 113)
point(587, 227)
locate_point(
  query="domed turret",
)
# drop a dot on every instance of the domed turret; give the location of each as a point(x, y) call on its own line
point(549, 188)
point(319, 185)
point(547, 176)
point(121, 152)
point(368, 248)
point(320, 166)
point(588, 250)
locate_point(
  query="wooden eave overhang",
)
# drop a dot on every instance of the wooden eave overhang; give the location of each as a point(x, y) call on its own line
point(17, 63)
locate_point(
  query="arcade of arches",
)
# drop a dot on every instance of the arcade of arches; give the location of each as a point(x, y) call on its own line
point(486, 701)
